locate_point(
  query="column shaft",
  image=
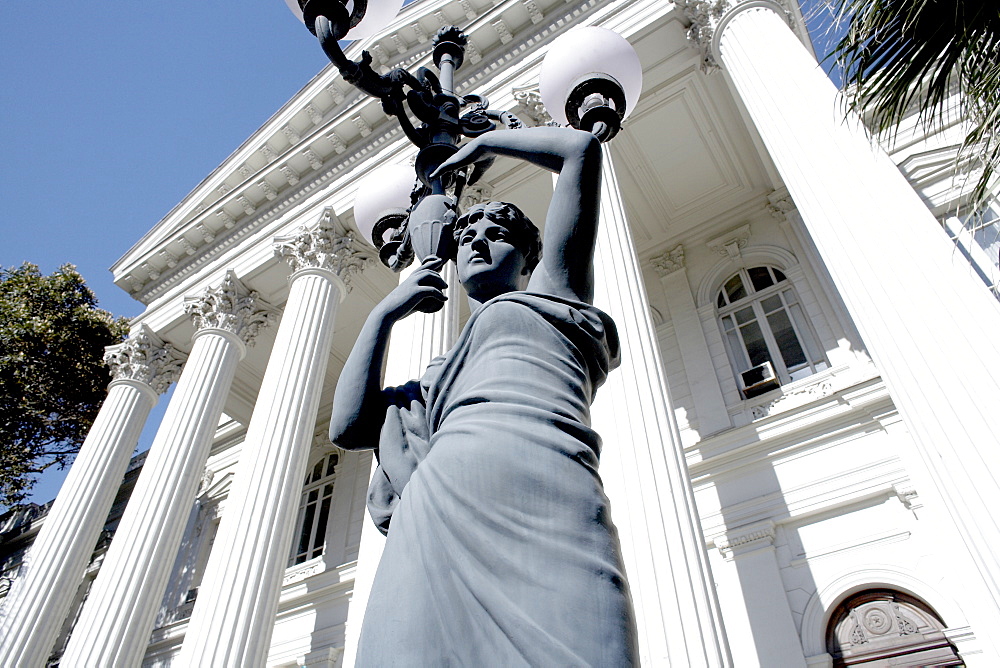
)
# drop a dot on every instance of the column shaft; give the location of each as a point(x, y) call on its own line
point(652, 502)
point(234, 616)
point(930, 327)
point(118, 616)
point(40, 601)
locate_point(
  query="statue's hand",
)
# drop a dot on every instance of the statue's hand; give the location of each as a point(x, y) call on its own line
point(423, 290)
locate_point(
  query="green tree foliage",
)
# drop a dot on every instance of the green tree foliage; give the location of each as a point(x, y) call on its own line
point(52, 375)
point(901, 55)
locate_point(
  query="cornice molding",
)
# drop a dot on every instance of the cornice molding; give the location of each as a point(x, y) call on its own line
point(231, 307)
point(145, 358)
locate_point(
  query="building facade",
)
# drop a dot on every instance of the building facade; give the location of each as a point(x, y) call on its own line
point(798, 445)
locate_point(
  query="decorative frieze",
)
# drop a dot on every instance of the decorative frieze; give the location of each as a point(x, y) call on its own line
point(793, 399)
point(268, 153)
point(231, 307)
point(668, 262)
point(314, 114)
point(145, 358)
point(321, 247)
point(291, 135)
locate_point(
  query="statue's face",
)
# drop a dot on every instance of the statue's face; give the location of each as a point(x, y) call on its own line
point(488, 263)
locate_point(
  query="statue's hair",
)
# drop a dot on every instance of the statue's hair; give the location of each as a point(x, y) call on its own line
point(524, 236)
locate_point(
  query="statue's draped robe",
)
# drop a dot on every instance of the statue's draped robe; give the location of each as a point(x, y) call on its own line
point(501, 550)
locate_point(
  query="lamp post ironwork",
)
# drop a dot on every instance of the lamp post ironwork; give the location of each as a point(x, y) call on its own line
point(596, 102)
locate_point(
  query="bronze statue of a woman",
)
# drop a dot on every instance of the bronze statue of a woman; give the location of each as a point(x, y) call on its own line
point(500, 549)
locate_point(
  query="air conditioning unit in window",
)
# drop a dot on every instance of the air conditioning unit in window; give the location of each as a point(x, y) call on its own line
point(758, 380)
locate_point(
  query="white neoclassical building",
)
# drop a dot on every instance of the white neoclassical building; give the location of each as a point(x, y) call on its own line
point(800, 445)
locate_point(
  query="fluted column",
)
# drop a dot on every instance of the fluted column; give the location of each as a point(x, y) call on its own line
point(141, 368)
point(652, 502)
point(118, 616)
point(930, 327)
point(234, 616)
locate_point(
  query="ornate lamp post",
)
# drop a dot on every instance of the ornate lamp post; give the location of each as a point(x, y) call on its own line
point(593, 93)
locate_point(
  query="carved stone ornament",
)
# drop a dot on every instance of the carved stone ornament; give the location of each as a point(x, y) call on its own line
point(321, 247)
point(780, 203)
point(531, 101)
point(473, 195)
point(231, 307)
point(705, 17)
point(669, 262)
point(145, 358)
point(731, 243)
point(794, 399)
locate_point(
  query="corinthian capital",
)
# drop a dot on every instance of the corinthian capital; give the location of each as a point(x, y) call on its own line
point(145, 358)
point(231, 307)
point(706, 16)
point(669, 262)
point(320, 246)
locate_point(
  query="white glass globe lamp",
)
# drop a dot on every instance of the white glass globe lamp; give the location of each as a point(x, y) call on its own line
point(591, 76)
point(381, 202)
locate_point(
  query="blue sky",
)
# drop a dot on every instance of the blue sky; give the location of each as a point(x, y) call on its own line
point(113, 111)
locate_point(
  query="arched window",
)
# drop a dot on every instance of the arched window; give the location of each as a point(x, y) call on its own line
point(767, 333)
point(314, 511)
point(883, 627)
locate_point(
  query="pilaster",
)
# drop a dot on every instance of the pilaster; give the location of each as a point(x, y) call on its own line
point(142, 367)
point(118, 616)
point(706, 392)
point(252, 546)
point(751, 561)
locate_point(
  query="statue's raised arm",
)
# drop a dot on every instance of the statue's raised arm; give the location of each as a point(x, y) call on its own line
point(566, 267)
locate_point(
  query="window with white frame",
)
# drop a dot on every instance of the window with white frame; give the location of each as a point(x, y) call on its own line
point(314, 510)
point(763, 322)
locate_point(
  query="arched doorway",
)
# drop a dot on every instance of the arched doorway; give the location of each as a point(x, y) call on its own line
point(883, 627)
